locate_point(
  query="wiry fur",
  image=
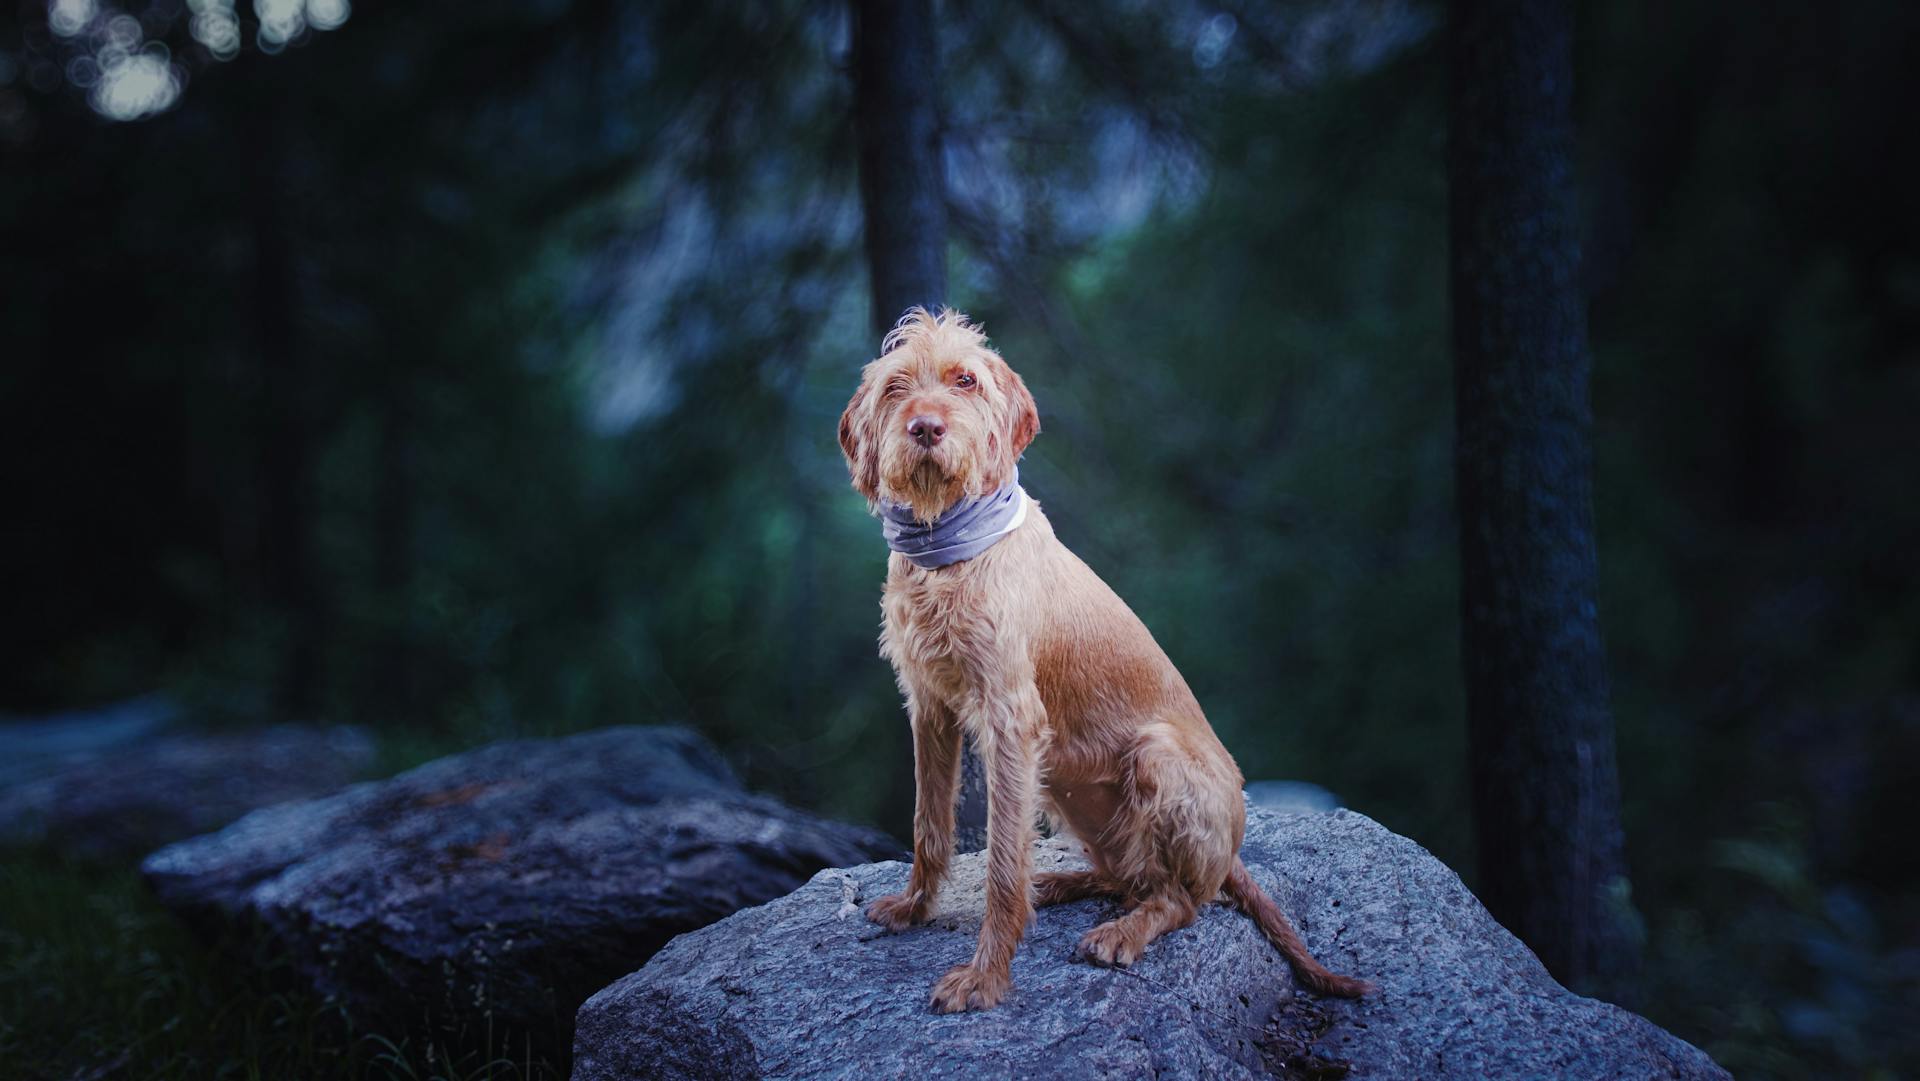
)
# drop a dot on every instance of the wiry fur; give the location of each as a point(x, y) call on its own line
point(1074, 708)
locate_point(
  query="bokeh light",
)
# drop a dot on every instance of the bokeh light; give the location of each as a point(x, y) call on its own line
point(327, 14)
point(280, 21)
point(124, 32)
point(69, 17)
point(117, 52)
point(132, 86)
point(215, 26)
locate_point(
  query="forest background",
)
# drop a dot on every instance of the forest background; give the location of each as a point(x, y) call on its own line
point(471, 370)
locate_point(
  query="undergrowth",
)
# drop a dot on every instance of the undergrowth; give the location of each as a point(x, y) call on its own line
point(98, 981)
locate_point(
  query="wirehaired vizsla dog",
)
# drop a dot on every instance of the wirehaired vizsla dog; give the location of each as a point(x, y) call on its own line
point(997, 633)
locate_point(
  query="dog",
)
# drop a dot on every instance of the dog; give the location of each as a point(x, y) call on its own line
point(998, 634)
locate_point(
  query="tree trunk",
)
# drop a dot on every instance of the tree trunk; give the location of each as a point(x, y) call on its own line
point(901, 182)
point(1545, 792)
point(904, 197)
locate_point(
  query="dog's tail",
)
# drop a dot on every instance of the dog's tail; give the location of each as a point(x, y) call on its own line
point(1246, 895)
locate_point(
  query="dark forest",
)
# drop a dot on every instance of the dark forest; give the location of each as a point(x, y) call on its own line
point(1445, 386)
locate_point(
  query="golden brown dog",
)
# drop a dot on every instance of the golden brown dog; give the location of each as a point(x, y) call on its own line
point(1072, 705)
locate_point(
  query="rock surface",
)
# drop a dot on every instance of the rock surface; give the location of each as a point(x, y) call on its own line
point(113, 789)
point(33, 746)
point(502, 886)
point(805, 987)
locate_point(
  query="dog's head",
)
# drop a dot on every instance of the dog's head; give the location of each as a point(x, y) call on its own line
point(938, 418)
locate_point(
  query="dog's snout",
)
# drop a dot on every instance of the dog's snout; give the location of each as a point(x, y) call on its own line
point(926, 430)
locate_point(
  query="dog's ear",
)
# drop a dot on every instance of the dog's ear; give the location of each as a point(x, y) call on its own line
point(1024, 413)
point(858, 444)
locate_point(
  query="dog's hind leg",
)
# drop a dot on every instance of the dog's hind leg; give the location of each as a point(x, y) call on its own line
point(1063, 887)
point(1120, 942)
point(1170, 845)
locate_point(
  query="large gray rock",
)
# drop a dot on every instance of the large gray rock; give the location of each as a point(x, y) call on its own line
point(494, 890)
point(114, 786)
point(805, 987)
point(34, 746)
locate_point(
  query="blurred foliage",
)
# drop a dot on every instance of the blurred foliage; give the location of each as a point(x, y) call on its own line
point(545, 313)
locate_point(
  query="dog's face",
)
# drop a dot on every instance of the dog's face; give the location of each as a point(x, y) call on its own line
point(938, 418)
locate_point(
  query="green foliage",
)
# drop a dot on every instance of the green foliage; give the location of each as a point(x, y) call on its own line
point(1799, 981)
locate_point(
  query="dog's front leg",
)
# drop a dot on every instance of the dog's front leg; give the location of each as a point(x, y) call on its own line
point(1010, 743)
point(936, 788)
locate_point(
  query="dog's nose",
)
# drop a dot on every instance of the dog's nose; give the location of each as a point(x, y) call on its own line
point(926, 430)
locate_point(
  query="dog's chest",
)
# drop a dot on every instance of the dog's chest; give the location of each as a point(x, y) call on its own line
point(937, 630)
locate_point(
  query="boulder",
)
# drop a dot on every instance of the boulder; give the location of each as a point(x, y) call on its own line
point(110, 789)
point(31, 747)
point(805, 987)
point(494, 890)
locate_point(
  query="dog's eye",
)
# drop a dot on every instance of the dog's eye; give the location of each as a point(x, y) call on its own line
point(964, 381)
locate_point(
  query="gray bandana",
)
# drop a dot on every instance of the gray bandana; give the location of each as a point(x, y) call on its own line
point(964, 531)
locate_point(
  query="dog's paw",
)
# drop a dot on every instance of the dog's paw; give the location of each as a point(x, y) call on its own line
point(970, 988)
point(1108, 946)
point(898, 911)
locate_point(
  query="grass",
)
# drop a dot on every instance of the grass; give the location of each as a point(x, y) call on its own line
point(98, 981)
